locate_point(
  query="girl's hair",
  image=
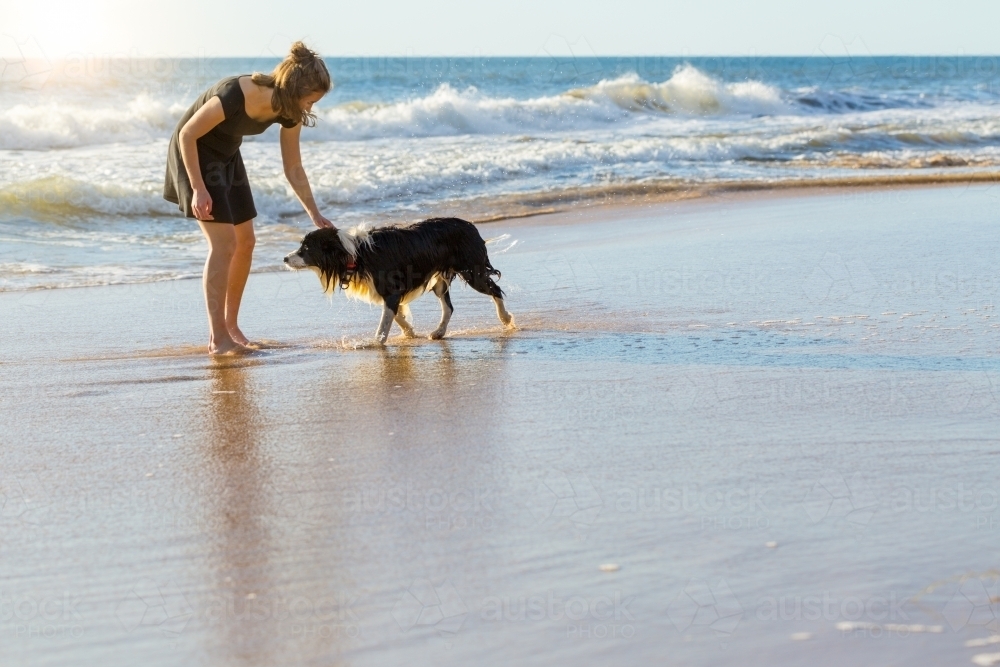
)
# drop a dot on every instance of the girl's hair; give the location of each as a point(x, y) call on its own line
point(301, 73)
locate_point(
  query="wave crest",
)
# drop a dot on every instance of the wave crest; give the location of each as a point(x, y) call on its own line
point(624, 101)
point(447, 111)
point(55, 125)
point(688, 92)
point(59, 196)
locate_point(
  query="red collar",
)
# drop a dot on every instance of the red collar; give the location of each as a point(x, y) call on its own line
point(345, 280)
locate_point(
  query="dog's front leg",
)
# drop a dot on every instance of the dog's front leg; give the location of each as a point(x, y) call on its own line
point(404, 320)
point(441, 289)
point(389, 310)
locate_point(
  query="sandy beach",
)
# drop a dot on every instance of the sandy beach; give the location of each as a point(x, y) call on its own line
point(744, 425)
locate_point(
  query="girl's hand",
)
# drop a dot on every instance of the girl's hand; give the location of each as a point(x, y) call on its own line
point(322, 222)
point(201, 205)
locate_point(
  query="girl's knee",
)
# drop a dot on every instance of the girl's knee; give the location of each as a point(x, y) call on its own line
point(223, 250)
point(223, 255)
point(246, 239)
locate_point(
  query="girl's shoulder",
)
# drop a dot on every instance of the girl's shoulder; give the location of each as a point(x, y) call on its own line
point(230, 93)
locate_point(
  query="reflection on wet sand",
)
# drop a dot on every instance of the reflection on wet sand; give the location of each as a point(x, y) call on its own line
point(284, 470)
point(402, 389)
point(415, 439)
point(237, 472)
point(252, 498)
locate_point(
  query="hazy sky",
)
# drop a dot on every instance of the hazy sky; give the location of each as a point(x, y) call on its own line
point(508, 27)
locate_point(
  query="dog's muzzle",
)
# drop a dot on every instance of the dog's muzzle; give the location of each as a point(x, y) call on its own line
point(294, 260)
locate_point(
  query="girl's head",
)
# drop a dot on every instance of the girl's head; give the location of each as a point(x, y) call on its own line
point(297, 82)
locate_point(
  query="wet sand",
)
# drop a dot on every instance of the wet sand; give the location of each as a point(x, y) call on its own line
point(777, 416)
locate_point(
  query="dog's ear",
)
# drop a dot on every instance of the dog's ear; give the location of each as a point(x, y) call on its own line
point(329, 258)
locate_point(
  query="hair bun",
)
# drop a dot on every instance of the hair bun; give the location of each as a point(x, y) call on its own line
point(301, 54)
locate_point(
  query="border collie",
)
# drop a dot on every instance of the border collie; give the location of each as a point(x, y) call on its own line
point(392, 266)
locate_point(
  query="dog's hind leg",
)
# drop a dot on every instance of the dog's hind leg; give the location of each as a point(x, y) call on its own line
point(481, 281)
point(405, 321)
point(442, 289)
point(505, 317)
point(389, 309)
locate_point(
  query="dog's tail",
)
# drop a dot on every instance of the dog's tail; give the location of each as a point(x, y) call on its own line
point(501, 240)
point(497, 239)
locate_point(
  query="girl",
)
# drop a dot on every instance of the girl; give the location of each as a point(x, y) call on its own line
point(207, 180)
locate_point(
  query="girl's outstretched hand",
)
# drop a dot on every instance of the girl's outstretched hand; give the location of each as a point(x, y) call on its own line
point(321, 222)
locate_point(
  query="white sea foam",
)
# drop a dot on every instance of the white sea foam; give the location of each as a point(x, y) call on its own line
point(54, 124)
point(82, 167)
point(448, 111)
point(43, 123)
point(688, 92)
point(61, 195)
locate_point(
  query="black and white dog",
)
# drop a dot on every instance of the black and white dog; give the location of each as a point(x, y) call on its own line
point(393, 265)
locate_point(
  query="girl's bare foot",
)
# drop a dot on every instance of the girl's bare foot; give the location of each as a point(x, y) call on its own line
point(228, 347)
point(238, 337)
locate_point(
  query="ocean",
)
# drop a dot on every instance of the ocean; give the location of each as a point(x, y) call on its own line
point(83, 144)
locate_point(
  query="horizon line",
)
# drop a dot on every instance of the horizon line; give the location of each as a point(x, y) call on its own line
point(537, 56)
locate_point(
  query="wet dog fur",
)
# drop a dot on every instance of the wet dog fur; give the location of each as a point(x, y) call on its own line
point(394, 265)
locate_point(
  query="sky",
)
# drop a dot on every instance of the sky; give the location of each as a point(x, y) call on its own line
point(198, 28)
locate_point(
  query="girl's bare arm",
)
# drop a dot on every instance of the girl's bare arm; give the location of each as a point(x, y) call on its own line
point(291, 159)
point(203, 120)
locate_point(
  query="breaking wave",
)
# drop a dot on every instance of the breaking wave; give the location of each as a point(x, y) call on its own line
point(448, 111)
point(65, 125)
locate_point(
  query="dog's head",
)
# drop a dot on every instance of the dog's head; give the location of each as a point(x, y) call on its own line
point(322, 251)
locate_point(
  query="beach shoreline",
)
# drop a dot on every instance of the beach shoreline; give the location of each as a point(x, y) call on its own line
point(621, 203)
point(646, 194)
point(708, 412)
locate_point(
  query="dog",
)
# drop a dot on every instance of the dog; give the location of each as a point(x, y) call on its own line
point(393, 265)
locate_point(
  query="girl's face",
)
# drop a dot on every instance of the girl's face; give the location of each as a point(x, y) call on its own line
point(307, 102)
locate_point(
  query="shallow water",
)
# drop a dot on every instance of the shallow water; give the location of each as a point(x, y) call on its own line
point(83, 143)
point(689, 384)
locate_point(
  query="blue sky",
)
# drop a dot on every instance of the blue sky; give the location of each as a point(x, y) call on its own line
point(510, 27)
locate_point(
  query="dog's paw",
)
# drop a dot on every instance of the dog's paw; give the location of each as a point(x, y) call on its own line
point(437, 334)
point(509, 324)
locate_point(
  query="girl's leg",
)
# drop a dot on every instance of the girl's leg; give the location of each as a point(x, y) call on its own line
point(221, 248)
point(239, 271)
